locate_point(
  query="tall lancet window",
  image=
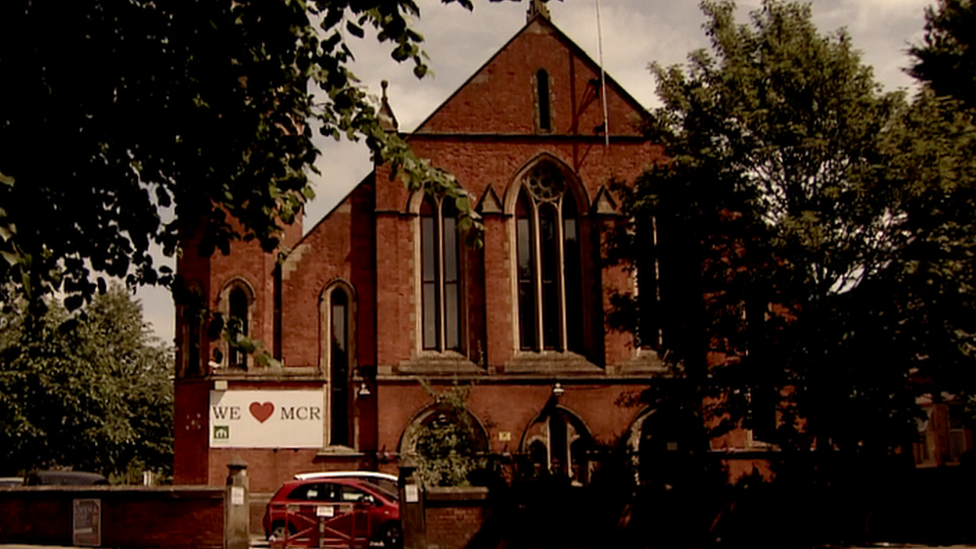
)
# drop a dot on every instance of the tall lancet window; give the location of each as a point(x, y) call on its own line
point(549, 277)
point(238, 319)
point(440, 276)
point(339, 368)
point(542, 100)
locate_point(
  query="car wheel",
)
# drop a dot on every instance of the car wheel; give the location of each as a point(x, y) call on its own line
point(278, 531)
point(392, 536)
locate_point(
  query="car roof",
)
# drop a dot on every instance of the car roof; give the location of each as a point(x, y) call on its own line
point(357, 482)
point(65, 477)
point(347, 474)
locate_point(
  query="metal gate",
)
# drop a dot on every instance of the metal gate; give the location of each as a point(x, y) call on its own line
point(326, 525)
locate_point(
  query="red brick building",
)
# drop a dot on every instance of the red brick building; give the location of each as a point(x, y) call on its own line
point(381, 294)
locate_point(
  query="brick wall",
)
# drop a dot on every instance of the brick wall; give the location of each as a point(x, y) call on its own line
point(487, 136)
point(137, 517)
point(453, 516)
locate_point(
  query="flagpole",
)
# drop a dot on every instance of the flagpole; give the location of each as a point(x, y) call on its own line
point(603, 77)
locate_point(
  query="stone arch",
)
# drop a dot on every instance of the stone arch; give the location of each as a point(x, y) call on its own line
point(557, 441)
point(416, 199)
point(667, 444)
point(432, 412)
point(573, 182)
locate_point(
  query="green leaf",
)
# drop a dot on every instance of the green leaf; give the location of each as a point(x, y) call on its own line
point(355, 30)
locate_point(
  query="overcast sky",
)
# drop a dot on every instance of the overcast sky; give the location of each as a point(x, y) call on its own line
point(635, 33)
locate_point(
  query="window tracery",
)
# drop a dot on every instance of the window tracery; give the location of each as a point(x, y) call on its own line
point(548, 262)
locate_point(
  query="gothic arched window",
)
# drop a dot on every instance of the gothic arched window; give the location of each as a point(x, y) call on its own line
point(440, 276)
point(337, 310)
point(548, 266)
point(235, 302)
point(238, 323)
point(339, 368)
point(558, 442)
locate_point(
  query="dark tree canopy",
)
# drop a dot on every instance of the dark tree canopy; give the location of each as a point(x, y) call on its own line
point(95, 395)
point(946, 58)
point(813, 252)
point(120, 120)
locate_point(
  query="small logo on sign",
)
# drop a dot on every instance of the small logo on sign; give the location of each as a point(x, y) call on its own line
point(222, 432)
point(261, 412)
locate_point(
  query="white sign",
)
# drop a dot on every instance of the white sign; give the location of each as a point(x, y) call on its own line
point(86, 524)
point(412, 493)
point(266, 419)
point(237, 495)
point(325, 511)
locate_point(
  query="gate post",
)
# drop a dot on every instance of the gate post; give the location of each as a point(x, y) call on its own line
point(237, 508)
point(411, 506)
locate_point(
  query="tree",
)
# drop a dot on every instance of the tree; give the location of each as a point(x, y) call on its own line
point(792, 216)
point(94, 394)
point(122, 123)
point(446, 446)
point(946, 59)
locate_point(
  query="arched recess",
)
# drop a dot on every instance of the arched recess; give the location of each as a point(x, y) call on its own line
point(668, 445)
point(558, 442)
point(552, 275)
point(236, 303)
point(438, 412)
point(337, 357)
point(573, 182)
point(191, 312)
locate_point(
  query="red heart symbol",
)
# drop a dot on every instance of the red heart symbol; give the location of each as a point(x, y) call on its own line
point(261, 412)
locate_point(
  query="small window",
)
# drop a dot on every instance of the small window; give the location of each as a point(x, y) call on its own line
point(542, 96)
point(238, 324)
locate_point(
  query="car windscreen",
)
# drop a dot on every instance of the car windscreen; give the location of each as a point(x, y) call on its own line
point(387, 488)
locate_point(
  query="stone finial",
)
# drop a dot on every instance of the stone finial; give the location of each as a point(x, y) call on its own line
point(537, 8)
point(387, 119)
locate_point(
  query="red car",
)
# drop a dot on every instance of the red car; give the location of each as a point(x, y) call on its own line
point(347, 510)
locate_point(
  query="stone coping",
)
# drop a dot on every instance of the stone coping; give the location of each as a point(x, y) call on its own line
point(172, 491)
point(457, 494)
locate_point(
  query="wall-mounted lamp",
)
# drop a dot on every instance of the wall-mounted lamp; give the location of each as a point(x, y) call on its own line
point(363, 391)
point(557, 390)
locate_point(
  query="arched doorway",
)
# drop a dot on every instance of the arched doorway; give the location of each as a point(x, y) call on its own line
point(557, 442)
point(669, 446)
point(449, 444)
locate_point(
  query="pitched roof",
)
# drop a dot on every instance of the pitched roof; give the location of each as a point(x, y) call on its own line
point(535, 24)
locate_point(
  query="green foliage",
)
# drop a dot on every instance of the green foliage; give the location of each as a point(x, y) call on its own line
point(946, 59)
point(93, 394)
point(812, 235)
point(132, 121)
point(447, 445)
